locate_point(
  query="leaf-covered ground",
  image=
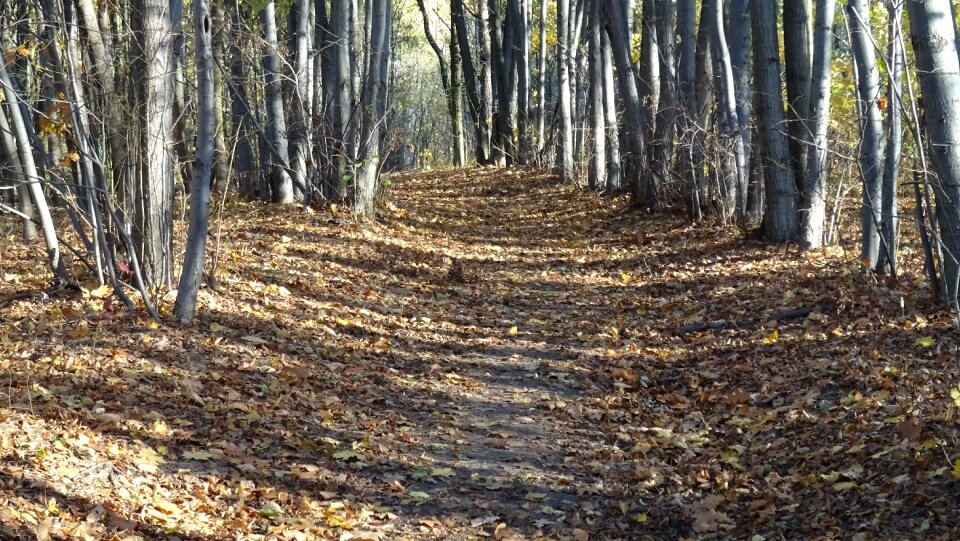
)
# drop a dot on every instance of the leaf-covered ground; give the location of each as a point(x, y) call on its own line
point(498, 357)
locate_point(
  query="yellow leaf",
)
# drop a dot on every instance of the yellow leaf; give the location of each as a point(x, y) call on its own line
point(956, 468)
point(71, 157)
point(642, 518)
point(24, 51)
point(924, 341)
point(160, 428)
point(771, 338)
point(167, 507)
point(514, 331)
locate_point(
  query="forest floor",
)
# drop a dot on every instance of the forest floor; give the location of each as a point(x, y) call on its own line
point(500, 356)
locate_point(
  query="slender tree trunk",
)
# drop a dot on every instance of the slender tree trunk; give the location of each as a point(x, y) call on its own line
point(239, 111)
point(521, 55)
point(477, 90)
point(456, 102)
point(932, 32)
point(342, 146)
point(734, 167)
point(566, 113)
point(814, 202)
point(741, 44)
point(870, 159)
point(781, 222)
point(281, 183)
point(299, 38)
point(192, 273)
point(597, 174)
point(891, 167)
point(665, 129)
point(614, 172)
point(542, 78)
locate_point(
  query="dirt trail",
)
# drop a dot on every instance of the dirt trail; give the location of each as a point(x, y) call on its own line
point(496, 357)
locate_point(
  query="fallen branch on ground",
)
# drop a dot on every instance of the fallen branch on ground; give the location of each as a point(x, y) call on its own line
point(723, 324)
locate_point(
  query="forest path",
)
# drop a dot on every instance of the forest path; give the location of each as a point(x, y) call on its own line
point(496, 357)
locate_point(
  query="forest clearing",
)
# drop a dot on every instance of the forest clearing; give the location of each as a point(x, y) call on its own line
point(499, 357)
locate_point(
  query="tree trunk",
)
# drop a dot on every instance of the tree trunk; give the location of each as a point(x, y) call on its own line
point(281, 183)
point(239, 110)
point(734, 167)
point(597, 174)
point(192, 272)
point(542, 78)
point(635, 124)
point(796, 46)
point(476, 102)
point(665, 125)
point(891, 166)
point(780, 218)
point(614, 174)
point(373, 107)
point(814, 201)
point(932, 32)
point(563, 65)
point(870, 159)
point(740, 44)
point(153, 188)
point(299, 38)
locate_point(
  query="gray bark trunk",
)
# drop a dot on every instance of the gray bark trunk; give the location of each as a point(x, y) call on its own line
point(796, 45)
point(597, 174)
point(153, 183)
point(814, 202)
point(281, 183)
point(741, 44)
point(635, 124)
point(373, 107)
point(614, 174)
point(734, 167)
point(239, 111)
point(191, 275)
point(932, 33)
point(870, 159)
point(891, 166)
point(566, 113)
point(781, 222)
point(299, 38)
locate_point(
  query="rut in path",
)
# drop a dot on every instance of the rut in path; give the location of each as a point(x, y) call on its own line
point(524, 312)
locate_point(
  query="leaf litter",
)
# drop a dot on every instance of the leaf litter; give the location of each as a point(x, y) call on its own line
point(497, 357)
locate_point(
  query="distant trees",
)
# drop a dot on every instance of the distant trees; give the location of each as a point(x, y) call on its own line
point(726, 109)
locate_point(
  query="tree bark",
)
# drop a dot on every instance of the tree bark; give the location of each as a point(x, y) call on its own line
point(635, 124)
point(932, 32)
point(566, 113)
point(781, 222)
point(153, 188)
point(796, 46)
point(734, 166)
point(373, 107)
point(281, 183)
point(191, 275)
point(814, 201)
point(869, 158)
point(891, 166)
